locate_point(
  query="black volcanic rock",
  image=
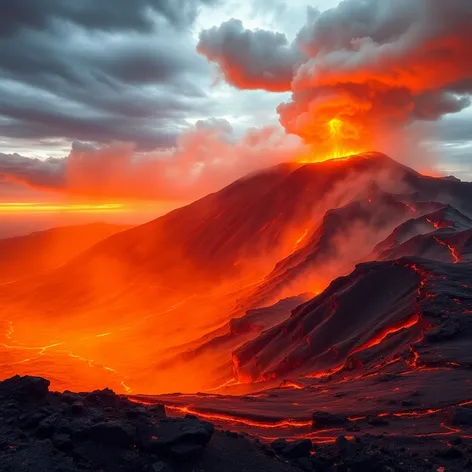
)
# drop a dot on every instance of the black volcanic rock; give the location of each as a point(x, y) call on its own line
point(322, 419)
point(447, 217)
point(297, 449)
point(179, 436)
point(114, 433)
point(24, 388)
point(461, 416)
point(40, 433)
point(303, 343)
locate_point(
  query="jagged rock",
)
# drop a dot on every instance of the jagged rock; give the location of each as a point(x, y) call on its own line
point(369, 461)
point(378, 421)
point(461, 416)
point(278, 445)
point(105, 397)
point(322, 419)
point(77, 407)
point(158, 410)
point(160, 467)
point(32, 421)
point(47, 427)
point(25, 388)
point(346, 449)
point(171, 432)
point(305, 464)
point(185, 451)
point(70, 397)
point(62, 442)
point(445, 331)
point(297, 449)
point(450, 453)
point(112, 433)
point(321, 463)
point(135, 412)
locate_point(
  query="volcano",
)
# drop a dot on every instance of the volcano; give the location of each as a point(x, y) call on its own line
point(340, 287)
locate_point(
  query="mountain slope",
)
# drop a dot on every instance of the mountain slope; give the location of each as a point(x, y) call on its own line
point(140, 309)
point(41, 251)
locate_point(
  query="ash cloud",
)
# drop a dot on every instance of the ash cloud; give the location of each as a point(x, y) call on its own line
point(250, 59)
point(206, 158)
point(376, 65)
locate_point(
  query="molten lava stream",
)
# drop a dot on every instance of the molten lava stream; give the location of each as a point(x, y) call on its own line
point(299, 241)
point(436, 224)
point(283, 424)
point(387, 332)
point(452, 250)
point(379, 338)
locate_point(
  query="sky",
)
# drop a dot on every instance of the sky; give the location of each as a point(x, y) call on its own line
point(167, 100)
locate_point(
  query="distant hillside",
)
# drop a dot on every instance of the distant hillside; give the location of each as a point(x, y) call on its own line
point(38, 252)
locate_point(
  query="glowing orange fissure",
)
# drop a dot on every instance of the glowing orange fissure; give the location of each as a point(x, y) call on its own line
point(387, 332)
point(452, 250)
point(299, 241)
point(436, 224)
point(236, 419)
point(369, 344)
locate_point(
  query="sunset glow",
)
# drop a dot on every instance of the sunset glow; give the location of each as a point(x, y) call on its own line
point(28, 207)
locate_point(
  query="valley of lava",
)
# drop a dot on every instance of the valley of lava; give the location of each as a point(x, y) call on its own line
point(306, 301)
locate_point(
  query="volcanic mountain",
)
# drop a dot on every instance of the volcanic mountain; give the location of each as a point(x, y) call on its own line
point(241, 287)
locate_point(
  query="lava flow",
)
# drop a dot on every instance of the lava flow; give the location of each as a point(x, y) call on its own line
point(387, 332)
point(452, 250)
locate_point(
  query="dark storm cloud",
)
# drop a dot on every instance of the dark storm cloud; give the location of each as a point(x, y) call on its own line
point(100, 71)
point(92, 14)
point(16, 168)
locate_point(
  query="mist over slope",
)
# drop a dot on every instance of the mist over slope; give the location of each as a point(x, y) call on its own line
point(38, 252)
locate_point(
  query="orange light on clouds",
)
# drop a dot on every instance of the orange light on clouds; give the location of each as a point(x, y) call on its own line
point(28, 207)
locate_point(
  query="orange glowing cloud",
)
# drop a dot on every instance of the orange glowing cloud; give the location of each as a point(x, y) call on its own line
point(207, 158)
point(398, 62)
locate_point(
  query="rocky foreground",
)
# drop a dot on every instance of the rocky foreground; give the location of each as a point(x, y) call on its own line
point(100, 431)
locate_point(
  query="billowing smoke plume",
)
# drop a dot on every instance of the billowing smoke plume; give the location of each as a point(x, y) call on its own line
point(357, 70)
point(207, 158)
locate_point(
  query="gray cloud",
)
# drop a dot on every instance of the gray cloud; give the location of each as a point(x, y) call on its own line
point(100, 71)
point(41, 173)
point(103, 15)
point(250, 59)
